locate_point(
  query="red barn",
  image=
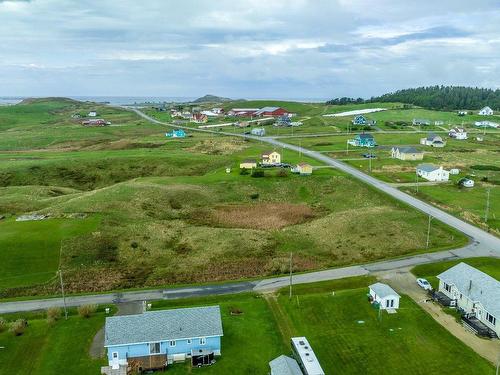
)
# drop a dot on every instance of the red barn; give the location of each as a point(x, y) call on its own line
point(271, 112)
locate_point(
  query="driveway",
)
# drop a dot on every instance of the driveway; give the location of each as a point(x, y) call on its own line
point(406, 283)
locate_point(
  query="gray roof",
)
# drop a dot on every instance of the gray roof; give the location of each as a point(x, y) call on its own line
point(475, 285)
point(284, 365)
point(267, 109)
point(432, 136)
point(154, 326)
point(365, 135)
point(408, 150)
point(383, 290)
point(427, 167)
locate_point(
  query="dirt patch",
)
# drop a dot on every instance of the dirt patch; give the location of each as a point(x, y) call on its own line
point(259, 216)
point(218, 147)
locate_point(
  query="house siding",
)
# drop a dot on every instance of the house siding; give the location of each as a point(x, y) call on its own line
point(469, 306)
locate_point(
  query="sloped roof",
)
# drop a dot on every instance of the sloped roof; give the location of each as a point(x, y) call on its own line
point(267, 109)
point(249, 161)
point(408, 150)
point(269, 152)
point(432, 136)
point(365, 136)
point(427, 167)
point(383, 290)
point(154, 326)
point(476, 285)
point(284, 365)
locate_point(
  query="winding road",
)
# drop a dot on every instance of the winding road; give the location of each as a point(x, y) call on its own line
point(481, 244)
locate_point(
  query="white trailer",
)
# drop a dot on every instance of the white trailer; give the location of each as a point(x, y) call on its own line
point(305, 356)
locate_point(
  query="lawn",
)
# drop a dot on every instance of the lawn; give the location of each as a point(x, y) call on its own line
point(349, 338)
point(51, 349)
point(30, 249)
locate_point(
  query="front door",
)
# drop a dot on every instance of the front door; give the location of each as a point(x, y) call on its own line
point(115, 361)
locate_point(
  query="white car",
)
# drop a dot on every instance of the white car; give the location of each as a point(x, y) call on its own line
point(424, 284)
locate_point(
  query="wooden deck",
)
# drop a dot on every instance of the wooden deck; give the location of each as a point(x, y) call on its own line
point(150, 362)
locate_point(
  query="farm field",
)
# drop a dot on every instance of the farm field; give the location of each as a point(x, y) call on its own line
point(164, 211)
point(343, 329)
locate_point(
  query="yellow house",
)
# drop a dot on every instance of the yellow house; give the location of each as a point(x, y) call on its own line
point(406, 153)
point(271, 158)
point(248, 164)
point(304, 169)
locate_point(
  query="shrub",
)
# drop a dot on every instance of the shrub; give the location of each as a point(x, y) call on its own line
point(258, 173)
point(281, 173)
point(244, 171)
point(53, 314)
point(18, 327)
point(3, 324)
point(175, 204)
point(85, 311)
point(254, 196)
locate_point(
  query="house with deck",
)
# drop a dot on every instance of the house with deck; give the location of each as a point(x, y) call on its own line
point(476, 295)
point(154, 339)
point(406, 153)
point(384, 296)
point(486, 111)
point(433, 140)
point(270, 158)
point(432, 173)
point(363, 140)
point(457, 133)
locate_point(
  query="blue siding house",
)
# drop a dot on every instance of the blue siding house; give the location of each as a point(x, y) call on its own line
point(177, 133)
point(155, 339)
point(363, 140)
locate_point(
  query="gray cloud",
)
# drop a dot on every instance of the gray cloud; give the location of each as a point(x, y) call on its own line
point(246, 48)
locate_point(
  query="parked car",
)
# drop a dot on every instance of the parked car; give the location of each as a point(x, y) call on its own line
point(369, 156)
point(424, 284)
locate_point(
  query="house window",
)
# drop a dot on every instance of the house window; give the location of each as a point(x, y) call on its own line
point(447, 287)
point(154, 348)
point(189, 341)
point(203, 340)
point(115, 355)
point(172, 343)
point(491, 319)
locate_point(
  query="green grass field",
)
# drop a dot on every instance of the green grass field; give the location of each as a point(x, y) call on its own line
point(170, 214)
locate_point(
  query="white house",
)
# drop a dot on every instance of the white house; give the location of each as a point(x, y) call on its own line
point(486, 124)
point(406, 153)
point(385, 296)
point(466, 182)
point(432, 173)
point(486, 111)
point(92, 114)
point(433, 140)
point(271, 158)
point(458, 133)
point(475, 292)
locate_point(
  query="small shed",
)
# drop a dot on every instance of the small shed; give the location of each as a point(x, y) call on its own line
point(284, 365)
point(384, 295)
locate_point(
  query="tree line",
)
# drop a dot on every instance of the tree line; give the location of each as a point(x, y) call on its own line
point(436, 97)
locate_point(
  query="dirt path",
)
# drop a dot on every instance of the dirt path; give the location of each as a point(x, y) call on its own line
point(97, 350)
point(280, 317)
point(405, 282)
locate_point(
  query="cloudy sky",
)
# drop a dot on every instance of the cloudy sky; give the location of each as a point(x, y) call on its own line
point(245, 48)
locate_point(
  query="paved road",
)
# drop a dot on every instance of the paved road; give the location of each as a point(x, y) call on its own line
point(482, 244)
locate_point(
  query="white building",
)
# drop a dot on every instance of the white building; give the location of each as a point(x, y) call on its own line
point(486, 111)
point(92, 114)
point(475, 292)
point(306, 357)
point(486, 124)
point(271, 158)
point(433, 140)
point(385, 296)
point(432, 173)
point(458, 133)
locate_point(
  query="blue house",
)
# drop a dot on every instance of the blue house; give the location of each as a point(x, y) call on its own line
point(363, 140)
point(154, 339)
point(362, 120)
point(176, 133)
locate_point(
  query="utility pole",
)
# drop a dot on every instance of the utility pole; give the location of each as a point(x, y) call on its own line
point(347, 150)
point(428, 232)
point(63, 295)
point(291, 267)
point(370, 162)
point(487, 205)
point(416, 178)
